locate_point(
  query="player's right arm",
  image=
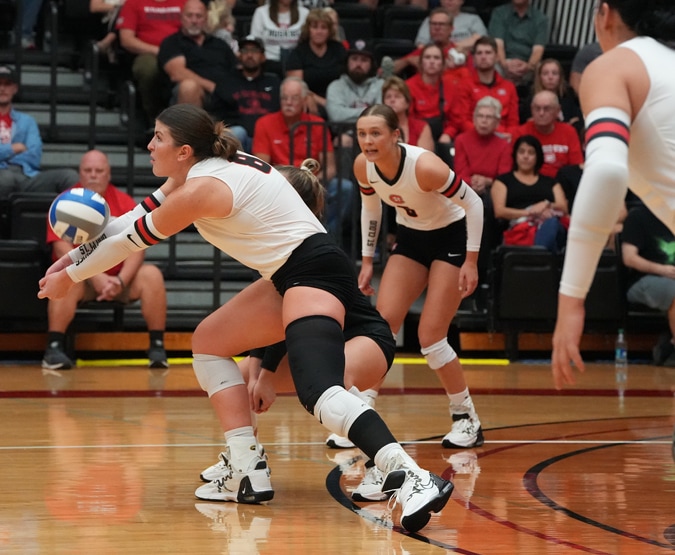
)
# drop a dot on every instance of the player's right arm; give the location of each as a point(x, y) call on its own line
point(371, 218)
point(195, 199)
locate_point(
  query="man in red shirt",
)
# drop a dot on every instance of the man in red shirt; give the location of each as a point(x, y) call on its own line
point(486, 81)
point(142, 26)
point(559, 140)
point(129, 281)
point(272, 143)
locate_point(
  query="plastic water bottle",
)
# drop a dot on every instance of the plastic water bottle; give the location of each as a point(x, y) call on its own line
point(621, 363)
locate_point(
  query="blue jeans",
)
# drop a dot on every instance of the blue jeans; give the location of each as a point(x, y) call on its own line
point(241, 134)
point(551, 235)
point(339, 203)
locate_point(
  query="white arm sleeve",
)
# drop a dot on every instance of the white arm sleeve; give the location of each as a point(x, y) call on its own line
point(371, 218)
point(138, 236)
point(116, 225)
point(468, 199)
point(599, 198)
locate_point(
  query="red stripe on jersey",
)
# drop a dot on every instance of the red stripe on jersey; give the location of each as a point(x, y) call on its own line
point(453, 187)
point(367, 191)
point(144, 233)
point(608, 127)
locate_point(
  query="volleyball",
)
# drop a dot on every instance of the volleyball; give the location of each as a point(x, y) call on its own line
point(78, 215)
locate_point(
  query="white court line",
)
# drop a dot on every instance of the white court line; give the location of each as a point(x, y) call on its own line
point(268, 444)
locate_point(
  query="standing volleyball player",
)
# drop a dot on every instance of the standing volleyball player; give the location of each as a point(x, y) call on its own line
point(440, 220)
point(247, 209)
point(627, 96)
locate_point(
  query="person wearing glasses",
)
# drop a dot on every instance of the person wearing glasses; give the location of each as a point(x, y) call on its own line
point(559, 140)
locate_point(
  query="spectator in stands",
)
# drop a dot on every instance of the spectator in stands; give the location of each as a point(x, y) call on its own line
point(559, 140)
point(247, 93)
point(272, 143)
point(21, 148)
point(318, 59)
point(338, 31)
point(29, 18)
point(486, 81)
point(455, 62)
point(221, 23)
point(550, 76)
point(480, 154)
point(278, 24)
point(647, 250)
point(357, 88)
point(521, 31)
point(109, 9)
point(142, 26)
point(414, 131)
point(467, 28)
point(434, 98)
point(129, 281)
point(194, 61)
point(533, 204)
point(582, 58)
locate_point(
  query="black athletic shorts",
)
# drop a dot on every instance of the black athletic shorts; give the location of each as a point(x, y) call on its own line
point(447, 244)
point(364, 320)
point(318, 262)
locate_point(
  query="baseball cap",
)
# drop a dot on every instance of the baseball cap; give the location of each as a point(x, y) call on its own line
point(8, 73)
point(251, 39)
point(360, 46)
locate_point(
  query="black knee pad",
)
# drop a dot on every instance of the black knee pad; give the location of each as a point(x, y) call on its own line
point(316, 355)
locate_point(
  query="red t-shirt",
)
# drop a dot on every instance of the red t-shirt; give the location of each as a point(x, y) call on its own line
point(119, 202)
point(479, 155)
point(151, 20)
point(426, 102)
point(561, 147)
point(415, 127)
point(272, 137)
point(472, 90)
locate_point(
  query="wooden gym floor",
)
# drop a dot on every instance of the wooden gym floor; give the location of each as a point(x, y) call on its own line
point(105, 460)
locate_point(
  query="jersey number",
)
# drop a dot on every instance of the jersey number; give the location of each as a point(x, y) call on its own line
point(252, 162)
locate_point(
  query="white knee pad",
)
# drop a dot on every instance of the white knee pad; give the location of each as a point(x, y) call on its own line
point(337, 409)
point(216, 373)
point(439, 354)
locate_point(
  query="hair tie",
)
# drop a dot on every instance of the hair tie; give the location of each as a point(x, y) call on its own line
point(305, 168)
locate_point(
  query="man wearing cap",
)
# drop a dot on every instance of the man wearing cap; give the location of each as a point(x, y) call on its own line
point(21, 148)
point(355, 90)
point(193, 60)
point(247, 93)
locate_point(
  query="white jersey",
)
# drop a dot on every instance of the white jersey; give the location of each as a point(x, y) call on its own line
point(651, 152)
point(268, 221)
point(415, 208)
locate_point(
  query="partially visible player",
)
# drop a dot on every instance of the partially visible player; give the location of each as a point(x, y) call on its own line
point(627, 96)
